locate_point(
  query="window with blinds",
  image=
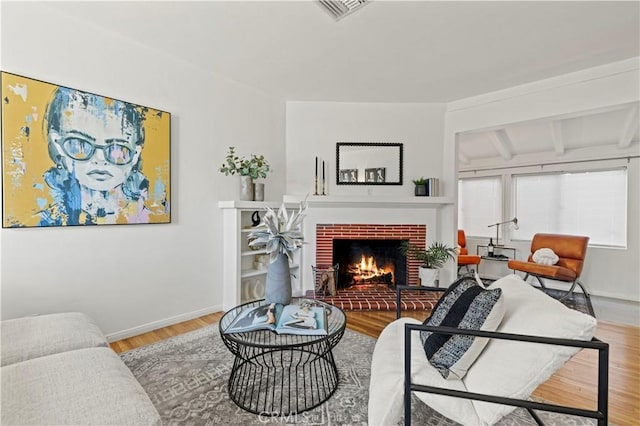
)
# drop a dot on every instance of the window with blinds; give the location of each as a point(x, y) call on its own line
point(592, 203)
point(479, 205)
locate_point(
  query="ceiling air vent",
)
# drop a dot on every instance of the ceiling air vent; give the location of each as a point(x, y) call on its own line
point(341, 8)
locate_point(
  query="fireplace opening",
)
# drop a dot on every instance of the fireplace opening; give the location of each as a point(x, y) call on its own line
point(369, 263)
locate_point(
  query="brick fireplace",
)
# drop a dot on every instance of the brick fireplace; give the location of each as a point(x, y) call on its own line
point(327, 233)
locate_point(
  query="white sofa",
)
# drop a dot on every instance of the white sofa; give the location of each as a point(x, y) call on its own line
point(58, 369)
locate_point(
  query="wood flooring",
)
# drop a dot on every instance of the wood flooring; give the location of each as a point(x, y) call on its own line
point(574, 384)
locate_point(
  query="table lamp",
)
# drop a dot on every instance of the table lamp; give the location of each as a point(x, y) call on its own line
point(497, 225)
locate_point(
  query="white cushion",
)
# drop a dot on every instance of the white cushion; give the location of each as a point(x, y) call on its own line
point(32, 337)
point(386, 388)
point(515, 369)
point(545, 256)
point(80, 387)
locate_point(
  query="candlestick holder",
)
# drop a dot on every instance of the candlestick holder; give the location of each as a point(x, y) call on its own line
point(315, 192)
point(323, 187)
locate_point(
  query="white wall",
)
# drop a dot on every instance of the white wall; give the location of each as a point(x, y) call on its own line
point(314, 128)
point(136, 277)
point(608, 272)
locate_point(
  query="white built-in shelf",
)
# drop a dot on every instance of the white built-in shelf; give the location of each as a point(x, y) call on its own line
point(369, 201)
point(245, 273)
point(252, 205)
point(252, 272)
point(241, 281)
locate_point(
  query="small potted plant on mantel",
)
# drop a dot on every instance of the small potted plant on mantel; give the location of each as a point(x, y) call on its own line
point(421, 187)
point(249, 170)
point(432, 258)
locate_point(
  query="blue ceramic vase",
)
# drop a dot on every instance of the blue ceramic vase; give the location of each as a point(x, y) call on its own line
point(278, 286)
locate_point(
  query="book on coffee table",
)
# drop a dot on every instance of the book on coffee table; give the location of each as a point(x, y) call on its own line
point(289, 319)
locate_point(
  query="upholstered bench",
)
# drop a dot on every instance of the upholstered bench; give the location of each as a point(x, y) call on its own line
point(58, 369)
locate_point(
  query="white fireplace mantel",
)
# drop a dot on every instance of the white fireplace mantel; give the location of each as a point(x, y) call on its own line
point(332, 201)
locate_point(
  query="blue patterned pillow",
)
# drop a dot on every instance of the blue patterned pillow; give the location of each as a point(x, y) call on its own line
point(465, 305)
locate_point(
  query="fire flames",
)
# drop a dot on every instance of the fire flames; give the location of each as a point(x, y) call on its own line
point(367, 271)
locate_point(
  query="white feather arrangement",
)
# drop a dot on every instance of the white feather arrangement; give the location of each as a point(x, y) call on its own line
point(279, 232)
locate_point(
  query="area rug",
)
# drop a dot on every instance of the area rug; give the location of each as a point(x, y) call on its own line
point(186, 378)
point(575, 300)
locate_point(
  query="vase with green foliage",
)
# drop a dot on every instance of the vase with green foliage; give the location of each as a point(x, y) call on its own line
point(433, 258)
point(249, 169)
point(280, 235)
point(421, 187)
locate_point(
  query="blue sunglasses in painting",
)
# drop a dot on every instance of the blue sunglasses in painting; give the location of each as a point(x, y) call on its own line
point(81, 149)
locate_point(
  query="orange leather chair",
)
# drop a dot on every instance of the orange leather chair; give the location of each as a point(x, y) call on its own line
point(571, 249)
point(464, 258)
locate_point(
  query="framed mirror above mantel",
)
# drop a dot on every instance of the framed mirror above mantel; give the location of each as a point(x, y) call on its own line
point(369, 163)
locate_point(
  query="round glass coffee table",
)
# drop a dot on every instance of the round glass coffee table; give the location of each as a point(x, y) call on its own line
point(282, 374)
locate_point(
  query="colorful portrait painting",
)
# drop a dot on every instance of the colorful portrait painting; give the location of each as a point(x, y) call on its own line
point(76, 158)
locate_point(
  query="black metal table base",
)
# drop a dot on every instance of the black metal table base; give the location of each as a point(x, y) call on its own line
point(283, 382)
point(283, 374)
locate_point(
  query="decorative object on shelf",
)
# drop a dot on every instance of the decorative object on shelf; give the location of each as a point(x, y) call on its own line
point(74, 158)
point(261, 262)
point(280, 235)
point(421, 187)
point(349, 175)
point(432, 258)
point(258, 289)
point(315, 189)
point(433, 187)
point(246, 188)
point(248, 170)
point(246, 291)
point(375, 174)
point(255, 218)
point(323, 180)
point(316, 180)
point(497, 225)
point(258, 191)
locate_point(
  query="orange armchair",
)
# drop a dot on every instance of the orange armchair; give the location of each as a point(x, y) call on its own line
point(464, 258)
point(571, 250)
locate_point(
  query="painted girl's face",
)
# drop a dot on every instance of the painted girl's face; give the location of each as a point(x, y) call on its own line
point(100, 146)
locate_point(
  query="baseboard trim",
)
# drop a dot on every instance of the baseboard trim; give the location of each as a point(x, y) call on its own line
point(616, 311)
point(596, 292)
point(145, 328)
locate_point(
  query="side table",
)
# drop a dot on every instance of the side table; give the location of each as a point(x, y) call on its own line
point(282, 374)
point(502, 254)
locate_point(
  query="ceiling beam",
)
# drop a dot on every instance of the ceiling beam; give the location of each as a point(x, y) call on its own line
point(557, 137)
point(577, 114)
point(501, 143)
point(630, 127)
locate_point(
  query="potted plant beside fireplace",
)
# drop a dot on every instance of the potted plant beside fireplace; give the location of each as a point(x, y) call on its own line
point(432, 258)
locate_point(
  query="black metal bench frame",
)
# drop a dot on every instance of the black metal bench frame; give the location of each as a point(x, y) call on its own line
point(600, 414)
